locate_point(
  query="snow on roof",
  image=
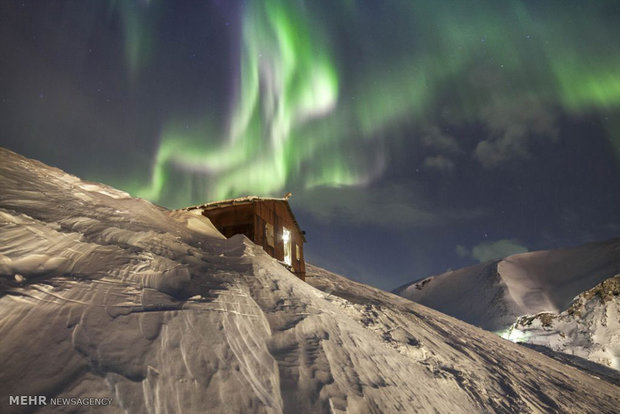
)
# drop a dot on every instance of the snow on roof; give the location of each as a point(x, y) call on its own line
point(247, 200)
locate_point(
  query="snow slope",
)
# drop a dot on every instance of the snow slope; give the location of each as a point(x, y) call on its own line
point(493, 294)
point(589, 328)
point(103, 295)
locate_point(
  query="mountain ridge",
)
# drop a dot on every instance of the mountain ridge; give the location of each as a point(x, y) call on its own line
point(525, 283)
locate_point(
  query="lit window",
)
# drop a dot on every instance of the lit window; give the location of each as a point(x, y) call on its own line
point(286, 239)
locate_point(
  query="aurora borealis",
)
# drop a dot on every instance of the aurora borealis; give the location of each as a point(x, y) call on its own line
point(411, 133)
point(287, 109)
point(285, 80)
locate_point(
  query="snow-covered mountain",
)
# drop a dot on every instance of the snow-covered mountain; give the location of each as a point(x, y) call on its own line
point(589, 328)
point(494, 294)
point(103, 295)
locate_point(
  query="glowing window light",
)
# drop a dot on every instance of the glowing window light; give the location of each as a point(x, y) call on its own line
point(286, 238)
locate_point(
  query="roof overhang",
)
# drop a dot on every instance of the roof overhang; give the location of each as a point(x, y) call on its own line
point(244, 201)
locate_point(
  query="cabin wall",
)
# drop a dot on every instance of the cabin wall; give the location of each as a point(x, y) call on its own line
point(233, 220)
point(253, 219)
point(264, 214)
point(277, 214)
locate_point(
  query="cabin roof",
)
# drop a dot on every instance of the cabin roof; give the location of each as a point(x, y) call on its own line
point(247, 200)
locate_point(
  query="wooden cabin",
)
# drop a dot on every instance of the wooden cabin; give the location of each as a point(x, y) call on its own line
point(268, 222)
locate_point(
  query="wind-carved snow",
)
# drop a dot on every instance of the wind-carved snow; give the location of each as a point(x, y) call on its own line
point(493, 294)
point(589, 328)
point(103, 295)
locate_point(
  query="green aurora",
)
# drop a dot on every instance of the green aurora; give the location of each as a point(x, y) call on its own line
point(324, 90)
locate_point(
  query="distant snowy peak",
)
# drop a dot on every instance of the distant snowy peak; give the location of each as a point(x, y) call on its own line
point(589, 328)
point(475, 294)
point(493, 294)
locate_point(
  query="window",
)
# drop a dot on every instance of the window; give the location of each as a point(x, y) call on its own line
point(286, 239)
point(297, 252)
point(269, 235)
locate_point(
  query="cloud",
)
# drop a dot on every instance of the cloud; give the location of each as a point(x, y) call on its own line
point(391, 206)
point(439, 163)
point(462, 251)
point(512, 129)
point(491, 250)
point(433, 137)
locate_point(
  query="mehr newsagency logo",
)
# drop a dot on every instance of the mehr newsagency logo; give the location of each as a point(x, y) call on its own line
point(40, 400)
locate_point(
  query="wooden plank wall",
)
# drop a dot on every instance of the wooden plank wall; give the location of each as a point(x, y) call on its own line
point(233, 220)
point(250, 219)
point(277, 213)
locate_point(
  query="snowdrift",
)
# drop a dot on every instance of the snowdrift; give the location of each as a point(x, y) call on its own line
point(104, 295)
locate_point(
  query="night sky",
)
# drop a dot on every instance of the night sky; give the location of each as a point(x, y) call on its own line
point(415, 136)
